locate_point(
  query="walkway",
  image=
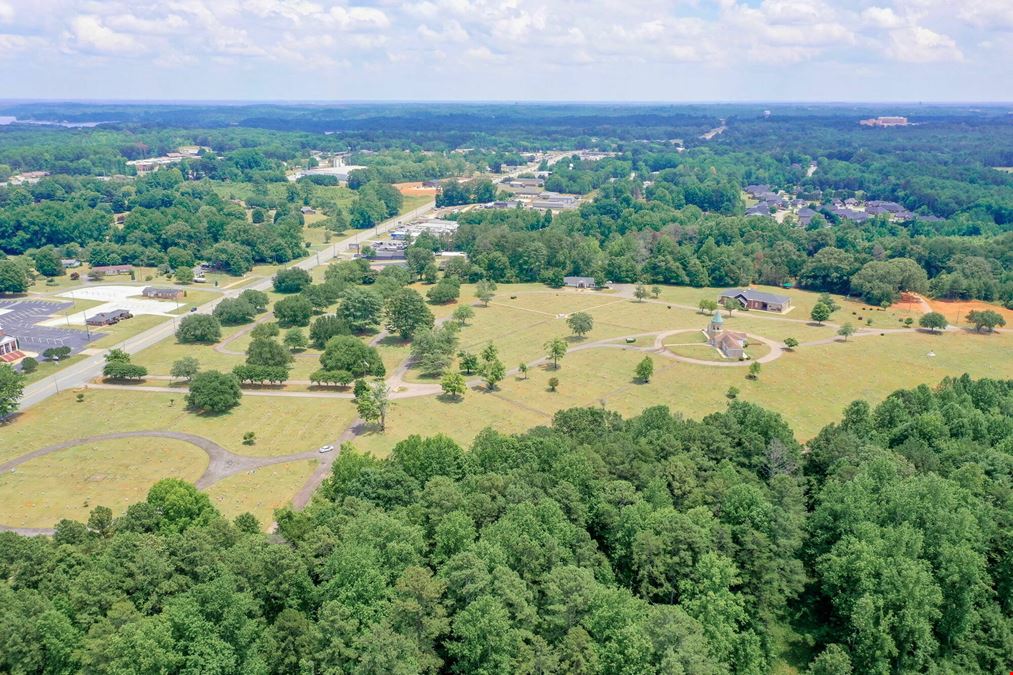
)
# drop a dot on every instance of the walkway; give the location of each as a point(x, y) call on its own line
point(221, 464)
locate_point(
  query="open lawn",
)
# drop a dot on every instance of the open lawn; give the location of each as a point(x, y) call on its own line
point(243, 190)
point(158, 358)
point(115, 473)
point(460, 420)
point(282, 425)
point(809, 387)
point(802, 304)
point(260, 491)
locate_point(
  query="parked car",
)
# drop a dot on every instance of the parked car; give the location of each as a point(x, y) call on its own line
point(325, 448)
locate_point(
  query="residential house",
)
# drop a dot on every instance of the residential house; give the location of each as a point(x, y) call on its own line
point(753, 299)
point(579, 282)
point(805, 215)
point(307, 210)
point(69, 263)
point(731, 344)
point(111, 270)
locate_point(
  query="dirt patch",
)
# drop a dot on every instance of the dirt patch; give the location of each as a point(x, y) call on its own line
point(956, 310)
point(911, 302)
point(415, 190)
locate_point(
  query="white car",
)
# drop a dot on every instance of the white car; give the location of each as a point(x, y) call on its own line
point(325, 448)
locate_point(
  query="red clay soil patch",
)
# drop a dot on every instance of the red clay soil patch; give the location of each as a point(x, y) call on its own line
point(415, 189)
point(956, 310)
point(911, 302)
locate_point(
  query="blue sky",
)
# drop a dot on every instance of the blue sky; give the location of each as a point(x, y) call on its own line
point(675, 50)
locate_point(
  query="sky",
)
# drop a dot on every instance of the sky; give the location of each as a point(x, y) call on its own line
point(556, 50)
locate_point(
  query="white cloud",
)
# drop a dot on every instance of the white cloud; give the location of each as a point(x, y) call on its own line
point(987, 14)
point(624, 39)
point(88, 33)
point(917, 44)
point(881, 17)
point(165, 25)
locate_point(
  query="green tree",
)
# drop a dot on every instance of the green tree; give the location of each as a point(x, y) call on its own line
point(655, 292)
point(555, 349)
point(233, 312)
point(987, 320)
point(291, 280)
point(491, 368)
point(178, 505)
point(199, 328)
point(645, 369)
point(833, 660)
point(485, 291)
point(580, 323)
point(453, 384)
point(448, 289)
point(553, 383)
point(361, 309)
point(256, 299)
point(296, 340)
point(123, 370)
point(184, 275)
point(325, 327)
point(406, 312)
point(468, 362)
point(433, 349)
point(846, 331)
point(754, 370)
point(934, 321)
point(47, 263)
point(293, 311)
point(373, 403)
point(100, 520)
point(462, 314)
point(214, 392)
point(12, 386)
point(819, 313)
point(348, 353)
point(730, 305)
point(29, 365)
point(267, 352)
point(523, 370)
point(265, 329)
point(13, 277)
point(640, 292)
point(708, 306)
point(790, 343)
point(418, 259)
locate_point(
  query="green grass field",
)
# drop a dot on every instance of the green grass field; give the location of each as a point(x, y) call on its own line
point(809, 387)
point(282, 425)
point(260, 491)
point(70, 483)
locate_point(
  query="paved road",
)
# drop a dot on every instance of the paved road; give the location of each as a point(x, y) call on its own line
point(80, 373)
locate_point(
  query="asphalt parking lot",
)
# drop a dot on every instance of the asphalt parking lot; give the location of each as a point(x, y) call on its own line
point(20, 318)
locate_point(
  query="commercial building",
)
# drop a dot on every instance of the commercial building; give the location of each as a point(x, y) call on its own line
point(162, 293)
point(108, 318)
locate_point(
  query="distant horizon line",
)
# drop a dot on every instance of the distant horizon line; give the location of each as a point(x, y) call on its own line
point(644, 102)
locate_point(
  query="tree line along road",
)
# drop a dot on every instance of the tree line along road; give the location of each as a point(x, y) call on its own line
point(82, 372)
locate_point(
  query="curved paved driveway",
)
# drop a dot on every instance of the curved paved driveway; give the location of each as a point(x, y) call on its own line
point(222, 463)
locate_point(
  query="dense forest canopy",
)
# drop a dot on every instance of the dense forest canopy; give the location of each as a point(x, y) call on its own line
point(596, 545)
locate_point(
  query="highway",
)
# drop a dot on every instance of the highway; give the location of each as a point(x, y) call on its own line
point(80, 373)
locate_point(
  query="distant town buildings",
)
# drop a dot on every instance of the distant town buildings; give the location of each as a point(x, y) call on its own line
point(885, 121)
